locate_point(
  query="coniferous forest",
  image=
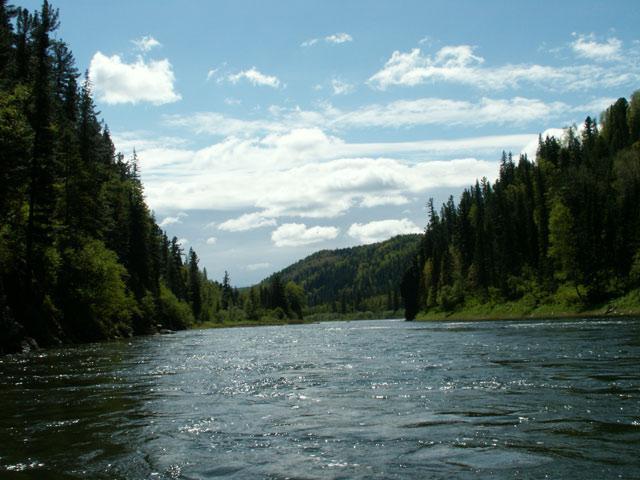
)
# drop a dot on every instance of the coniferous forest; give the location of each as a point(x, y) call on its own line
point(562, 230)
point(81, 256)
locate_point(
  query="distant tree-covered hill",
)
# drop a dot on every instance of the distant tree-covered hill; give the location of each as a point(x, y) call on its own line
point(362, 278)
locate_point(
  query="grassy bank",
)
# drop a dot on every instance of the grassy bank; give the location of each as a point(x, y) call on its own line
point(564, 304)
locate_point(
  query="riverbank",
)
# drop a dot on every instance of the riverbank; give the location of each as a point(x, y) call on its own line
point(310, 318)
point(560, 306)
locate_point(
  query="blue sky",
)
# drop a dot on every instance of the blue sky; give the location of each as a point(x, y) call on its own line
point(267, 130)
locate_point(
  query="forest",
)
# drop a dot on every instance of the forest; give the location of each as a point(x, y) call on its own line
point(561, 231)
point(354, 282)
point(81, 255)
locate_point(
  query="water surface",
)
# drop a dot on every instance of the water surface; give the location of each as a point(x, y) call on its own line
point(369, 399)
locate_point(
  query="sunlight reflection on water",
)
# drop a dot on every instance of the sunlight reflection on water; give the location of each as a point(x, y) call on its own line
point(368, 399)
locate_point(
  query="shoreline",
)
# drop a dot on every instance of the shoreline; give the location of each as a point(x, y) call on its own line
point(470, 317)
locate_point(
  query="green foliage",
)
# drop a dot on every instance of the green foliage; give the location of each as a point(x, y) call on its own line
point(96, 302)
point(353, 279)
point(561, 239)
point(295, 298)
point(560, 230)
point(173, 313)
point(231, 315)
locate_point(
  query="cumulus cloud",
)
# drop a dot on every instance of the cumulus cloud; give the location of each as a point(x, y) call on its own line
point(146, 43)
point(248, 221)
point(308, 173)
point(381, 230)
point(211, 241)
point(586, 46)
point(172, 220)
point(297, 234)
point(459, 64)
point(183, 242)
point(255, 77)
point(315, 189)
point(116, 81)
point(336, 39)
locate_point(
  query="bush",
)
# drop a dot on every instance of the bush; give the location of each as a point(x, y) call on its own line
point(450, 297)
point(173, 313)
point(231, 315)
point(97, 304)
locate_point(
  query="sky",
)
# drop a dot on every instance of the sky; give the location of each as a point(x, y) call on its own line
point(268, 130)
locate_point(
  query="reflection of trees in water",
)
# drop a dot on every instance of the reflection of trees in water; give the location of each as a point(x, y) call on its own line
point(77, 411)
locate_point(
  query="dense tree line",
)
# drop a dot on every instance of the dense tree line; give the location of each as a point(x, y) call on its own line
point(81, 256)
point(568, 220)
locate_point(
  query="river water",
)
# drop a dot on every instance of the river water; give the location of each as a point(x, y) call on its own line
point(367, 399)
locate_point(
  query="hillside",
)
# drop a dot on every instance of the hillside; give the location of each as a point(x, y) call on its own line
point(362, 278)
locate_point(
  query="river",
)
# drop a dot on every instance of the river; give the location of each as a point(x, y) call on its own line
point(366, 399)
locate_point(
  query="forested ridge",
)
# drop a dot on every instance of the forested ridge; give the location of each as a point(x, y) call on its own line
point(563, 229)
point(364, 278)
point(81, 256)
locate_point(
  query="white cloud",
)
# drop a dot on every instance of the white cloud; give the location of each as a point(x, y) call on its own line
point(397, 114)
point(183, 242)
point(257, 266)
point(370, 201)
point(211, 241)
point(338, 38)
point(211, 73)
point(232, 101)
point(126, 142)
point(307, 173)
point(118, 82)
point(146, 43)
point(255, 77)
point(311, 189)
point(340, 87)
point(248, 221)
point(438, 111)
point(381, 230)
point(173, 220)
point(297, 234)
point(459, 64)
point(586, 46)
point(299, 166)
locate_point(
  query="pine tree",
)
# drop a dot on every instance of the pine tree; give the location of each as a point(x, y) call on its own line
point(195, 285)
point(227, 292)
